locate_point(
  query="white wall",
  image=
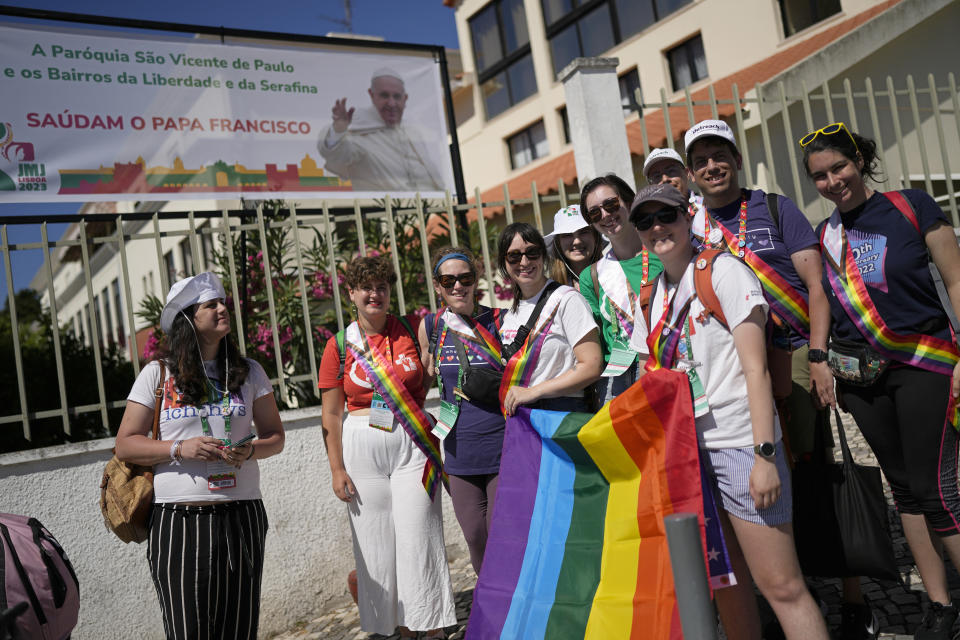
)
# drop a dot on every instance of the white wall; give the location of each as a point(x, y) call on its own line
point(309, 550)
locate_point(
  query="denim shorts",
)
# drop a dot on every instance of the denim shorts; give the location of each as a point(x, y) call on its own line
point(729, 471)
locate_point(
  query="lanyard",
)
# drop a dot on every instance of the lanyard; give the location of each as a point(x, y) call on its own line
point(714, 235)
point(224, 411)
point(456, 390)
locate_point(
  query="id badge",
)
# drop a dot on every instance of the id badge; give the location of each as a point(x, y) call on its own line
point(446, 419)
point(700, 405)
point(221, 475)
point(620, 360)
point(380, 415)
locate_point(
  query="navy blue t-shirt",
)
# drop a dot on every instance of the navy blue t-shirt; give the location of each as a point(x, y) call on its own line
point(473, 446)
point(772, 245)
point(892, 258)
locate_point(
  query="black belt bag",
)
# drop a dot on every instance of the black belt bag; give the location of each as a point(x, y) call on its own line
point(855, 363)
point(480, 385)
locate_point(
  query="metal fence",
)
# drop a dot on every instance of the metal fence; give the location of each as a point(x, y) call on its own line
point(902, 117)
point(915, 123)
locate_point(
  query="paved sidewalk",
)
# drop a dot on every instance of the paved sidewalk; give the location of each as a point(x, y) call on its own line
point(899, 607)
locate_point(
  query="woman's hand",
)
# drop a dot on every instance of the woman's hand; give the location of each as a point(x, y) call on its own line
point(764, 483)
point(517, 396)
point(955, 387)
point(236, 456)
point(343, 485)
point(202, 448)
point(821, 385)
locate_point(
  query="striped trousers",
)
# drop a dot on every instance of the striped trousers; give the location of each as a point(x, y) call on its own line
point(206, 562)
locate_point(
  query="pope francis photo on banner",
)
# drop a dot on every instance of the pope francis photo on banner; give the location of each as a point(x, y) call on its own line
point(371, 147)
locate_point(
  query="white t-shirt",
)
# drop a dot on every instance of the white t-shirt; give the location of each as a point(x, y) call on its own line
point(187, 482)
point(727, 424)
point(570, 319)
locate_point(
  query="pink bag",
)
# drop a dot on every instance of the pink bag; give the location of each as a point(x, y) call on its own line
point(35, 570)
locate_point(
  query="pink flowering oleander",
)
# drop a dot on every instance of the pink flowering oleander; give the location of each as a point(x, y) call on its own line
point(152, 345)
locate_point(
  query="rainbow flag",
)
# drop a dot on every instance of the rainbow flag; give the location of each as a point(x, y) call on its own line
point(577, 547)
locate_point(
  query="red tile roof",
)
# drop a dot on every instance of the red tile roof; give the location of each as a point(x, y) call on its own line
point(563, 166)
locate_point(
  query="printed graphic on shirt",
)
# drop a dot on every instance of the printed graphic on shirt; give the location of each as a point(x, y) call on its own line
point(174, 408)
point(449, 356)
point(359, 378)
point(759, 240)
point(870, 252)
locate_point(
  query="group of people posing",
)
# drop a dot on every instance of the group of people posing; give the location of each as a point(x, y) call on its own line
point(616, 290)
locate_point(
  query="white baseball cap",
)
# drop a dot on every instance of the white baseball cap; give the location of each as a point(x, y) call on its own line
point(566, 220)
point(190, 291)
point(709, 128)
point(656, 156)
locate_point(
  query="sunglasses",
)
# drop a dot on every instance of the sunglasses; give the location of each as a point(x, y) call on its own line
point(665, 216)
point(533, 253)
point(447, 281)
point(829, 130)
point(610, 205)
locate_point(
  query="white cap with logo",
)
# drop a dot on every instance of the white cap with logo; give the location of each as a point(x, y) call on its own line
point(656, 156)
point(709, 128)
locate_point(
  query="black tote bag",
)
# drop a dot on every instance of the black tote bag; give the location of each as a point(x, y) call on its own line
point(840, 515)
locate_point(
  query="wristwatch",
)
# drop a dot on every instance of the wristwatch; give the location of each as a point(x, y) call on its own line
point(816, 355)
point(765, 450)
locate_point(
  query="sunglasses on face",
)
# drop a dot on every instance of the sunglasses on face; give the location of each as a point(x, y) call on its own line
point(447, 281)
point(610, 205)
point(665, 216)
point(533, 253)
point(829, 130)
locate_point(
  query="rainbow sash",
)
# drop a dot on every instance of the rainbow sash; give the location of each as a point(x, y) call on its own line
point(784, 300)
point(520, 366)
point(475, 337)
point(618, 305)
point(926, 352)
point(404, 407)
point(664, 339)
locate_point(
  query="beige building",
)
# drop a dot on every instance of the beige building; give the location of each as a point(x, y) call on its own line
point(511, 120)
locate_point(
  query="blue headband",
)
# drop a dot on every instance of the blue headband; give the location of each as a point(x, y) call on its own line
point(450, 256)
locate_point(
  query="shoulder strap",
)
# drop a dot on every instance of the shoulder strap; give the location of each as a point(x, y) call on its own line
point(341, 339)
point(703, 285)
point(431, 328)
point(596, 281)
point(773, 206)
point(645, 308)
point(508, 350)
point(416, 343)
point(157, 396)
point(900, 201)
point(462, 353)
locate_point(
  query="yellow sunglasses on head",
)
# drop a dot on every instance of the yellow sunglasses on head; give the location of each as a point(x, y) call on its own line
point(829, 130)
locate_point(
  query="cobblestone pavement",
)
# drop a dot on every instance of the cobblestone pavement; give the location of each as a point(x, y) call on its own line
point(899, 607)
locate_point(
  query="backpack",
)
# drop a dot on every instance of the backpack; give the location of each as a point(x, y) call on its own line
point(34, 570)
point(703, 286)
point(342, 344)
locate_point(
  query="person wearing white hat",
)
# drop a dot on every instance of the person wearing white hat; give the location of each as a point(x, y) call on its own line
point(208, 525)
point(573, 244)
point(666, 166)
point(617, 287)
point(372, 147)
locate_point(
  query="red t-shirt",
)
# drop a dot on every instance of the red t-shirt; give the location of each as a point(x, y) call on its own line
point(356, 386)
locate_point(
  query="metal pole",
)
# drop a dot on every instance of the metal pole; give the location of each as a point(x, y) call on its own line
point(690, 576)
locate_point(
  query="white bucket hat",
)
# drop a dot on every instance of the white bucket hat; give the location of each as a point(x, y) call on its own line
point(566, 220)
point(190, 291)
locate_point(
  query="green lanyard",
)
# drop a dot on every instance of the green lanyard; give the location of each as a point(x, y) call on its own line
point(224, 411)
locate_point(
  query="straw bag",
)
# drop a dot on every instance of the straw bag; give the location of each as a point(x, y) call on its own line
point(126, 490)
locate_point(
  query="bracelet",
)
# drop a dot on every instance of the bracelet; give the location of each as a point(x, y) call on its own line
point(252, 450)
point(175, 452)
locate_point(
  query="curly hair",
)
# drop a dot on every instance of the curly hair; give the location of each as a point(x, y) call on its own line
point(611, 180)
point(181, 353)
point(849, 146)
point(369, 269)
point(529, 234)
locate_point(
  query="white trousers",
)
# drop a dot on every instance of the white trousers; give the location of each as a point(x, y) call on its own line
point(398, 546)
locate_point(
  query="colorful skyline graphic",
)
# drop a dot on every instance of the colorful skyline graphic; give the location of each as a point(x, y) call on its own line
point(134, 177)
